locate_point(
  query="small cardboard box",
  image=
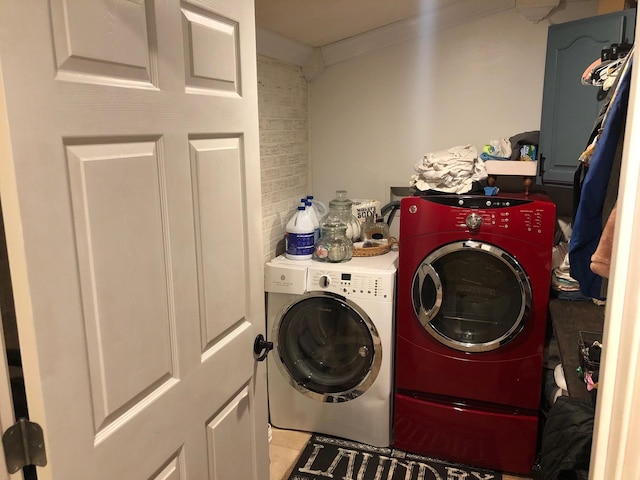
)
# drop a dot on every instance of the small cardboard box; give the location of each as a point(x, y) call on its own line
point(363, 207)
point(528, 153)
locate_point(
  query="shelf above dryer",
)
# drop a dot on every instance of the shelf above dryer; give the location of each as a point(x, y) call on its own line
point(512, 167)
point(526, 169)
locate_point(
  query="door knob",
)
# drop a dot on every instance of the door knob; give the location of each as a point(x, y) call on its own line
point(261, 347)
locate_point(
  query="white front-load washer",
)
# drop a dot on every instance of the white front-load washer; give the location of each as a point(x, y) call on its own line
point(332, 328)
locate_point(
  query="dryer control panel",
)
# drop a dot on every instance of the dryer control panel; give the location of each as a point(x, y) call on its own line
point(353, 284)
point(524, 219)
point(531, 218)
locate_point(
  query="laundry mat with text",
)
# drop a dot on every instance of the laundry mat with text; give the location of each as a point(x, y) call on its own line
point(330, 457)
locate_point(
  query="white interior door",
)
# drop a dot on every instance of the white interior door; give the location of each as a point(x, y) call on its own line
point(129, 179)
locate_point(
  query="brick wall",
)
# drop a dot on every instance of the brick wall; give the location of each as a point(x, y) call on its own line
point(284, 160)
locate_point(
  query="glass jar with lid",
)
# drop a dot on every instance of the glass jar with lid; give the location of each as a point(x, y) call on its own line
point(340, 212)
point(333, 245)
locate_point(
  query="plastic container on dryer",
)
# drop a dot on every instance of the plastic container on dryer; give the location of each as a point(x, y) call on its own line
point(319, 207)
point(299, 235)
point(314, 217)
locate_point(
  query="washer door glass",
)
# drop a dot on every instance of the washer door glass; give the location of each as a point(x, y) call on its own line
point(471, 296)
point(327, 347)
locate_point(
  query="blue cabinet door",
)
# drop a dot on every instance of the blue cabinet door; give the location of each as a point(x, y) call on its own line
point(570, 109)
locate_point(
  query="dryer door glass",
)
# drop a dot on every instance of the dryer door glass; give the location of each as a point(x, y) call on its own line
point(471, 296)
point(328, 347)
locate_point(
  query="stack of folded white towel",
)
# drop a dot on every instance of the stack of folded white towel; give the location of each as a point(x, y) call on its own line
point(450, 171)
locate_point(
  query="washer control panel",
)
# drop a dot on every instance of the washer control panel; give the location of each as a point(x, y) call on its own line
point(352, 284)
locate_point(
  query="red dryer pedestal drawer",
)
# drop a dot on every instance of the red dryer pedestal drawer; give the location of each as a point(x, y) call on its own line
point(500, 441)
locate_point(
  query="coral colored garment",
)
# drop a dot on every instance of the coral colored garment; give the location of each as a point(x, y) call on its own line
point(601, 258)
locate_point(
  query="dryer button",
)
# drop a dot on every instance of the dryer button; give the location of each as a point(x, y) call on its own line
point(324, 281)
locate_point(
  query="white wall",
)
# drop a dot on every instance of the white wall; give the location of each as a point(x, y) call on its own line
point(373, 117)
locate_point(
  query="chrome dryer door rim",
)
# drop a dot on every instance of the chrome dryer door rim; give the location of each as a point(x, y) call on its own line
point(429, 296)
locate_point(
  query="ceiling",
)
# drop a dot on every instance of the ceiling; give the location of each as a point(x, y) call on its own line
point(317, 23)
point(315, 34)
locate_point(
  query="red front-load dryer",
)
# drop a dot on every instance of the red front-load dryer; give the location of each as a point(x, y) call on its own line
point(473, 288)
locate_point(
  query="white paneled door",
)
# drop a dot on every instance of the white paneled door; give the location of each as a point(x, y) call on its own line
point(129, 180)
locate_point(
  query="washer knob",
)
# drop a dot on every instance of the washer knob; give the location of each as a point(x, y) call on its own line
point(324, 281)
point(473, 221)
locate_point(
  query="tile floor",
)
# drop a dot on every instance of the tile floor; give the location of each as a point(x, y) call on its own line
point(286, 445)
point(284, 449)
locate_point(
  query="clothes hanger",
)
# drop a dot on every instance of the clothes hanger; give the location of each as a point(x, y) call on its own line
point(611, 58)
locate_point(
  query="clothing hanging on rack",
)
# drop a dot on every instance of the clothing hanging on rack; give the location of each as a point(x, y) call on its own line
point(585, 157)
point(598, 171)
point(603, 72)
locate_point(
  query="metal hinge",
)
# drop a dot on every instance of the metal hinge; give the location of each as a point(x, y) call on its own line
point(23, 444)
